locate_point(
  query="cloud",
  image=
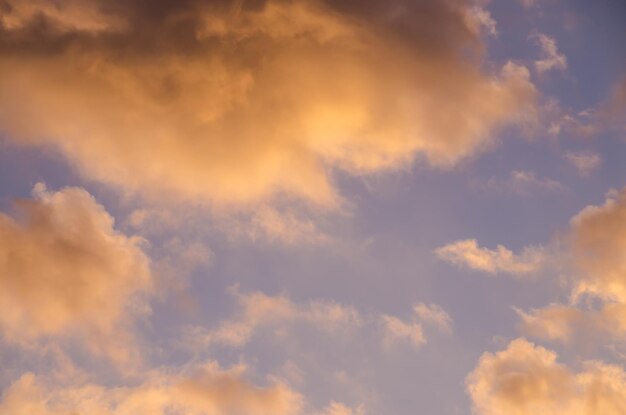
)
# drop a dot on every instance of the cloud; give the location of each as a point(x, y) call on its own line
point(528, 3)
point(571, 324)
point(551, 58)
point(584, 162)
point(204, 390)
point(257, 310)
point(64, 17)
point(398, 330)
point(336, 408)
point(522, 182)
point(596, 244)
point(478, 19)
point(236, 102)
point(434, 315)
point(65, 270)
point(282, 226)
point(525, 379)
point(607, 116)
point(467, 253)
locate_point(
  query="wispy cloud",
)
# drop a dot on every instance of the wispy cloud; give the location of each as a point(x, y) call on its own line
point(551, 59)
point(584, 162)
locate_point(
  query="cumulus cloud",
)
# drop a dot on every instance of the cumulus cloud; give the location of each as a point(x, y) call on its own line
point(467, 253)
point(237, 101)
point(584, 162)
point(204, 390)
point(552, 59)
point(65, 270)
point(597, 242)
point(525, 379)
point(576, 324)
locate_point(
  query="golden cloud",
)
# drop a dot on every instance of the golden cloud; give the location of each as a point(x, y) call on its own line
point(467, 253)
point(597, 242)
point(237, 101)
point(525, 379)
point(65, 270)
point(208, 390)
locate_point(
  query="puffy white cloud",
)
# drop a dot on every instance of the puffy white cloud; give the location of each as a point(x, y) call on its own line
point(525, 379)
point(65, 270)
point(467, 253)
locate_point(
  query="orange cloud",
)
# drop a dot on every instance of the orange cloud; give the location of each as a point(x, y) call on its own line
point(597, 242)
point(207, 390)
point(65, 270)
point(467, 253)
point(525, 379)
point(232, 103)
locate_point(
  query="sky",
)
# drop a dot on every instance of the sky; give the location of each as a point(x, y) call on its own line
point(312, 207)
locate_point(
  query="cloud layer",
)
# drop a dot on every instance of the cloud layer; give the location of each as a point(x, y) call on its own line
point(204, 390)
point(236, 101)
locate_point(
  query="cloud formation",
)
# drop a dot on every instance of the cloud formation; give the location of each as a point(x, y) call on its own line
point(257, 310)
point(552, 59)
point(467, 253)
point(397, 330)
point(65, 270)
point(235, 101)
point(204, 390)
point(584, 162)
point(521, 182)
point(525, 379)
point(597, 242)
